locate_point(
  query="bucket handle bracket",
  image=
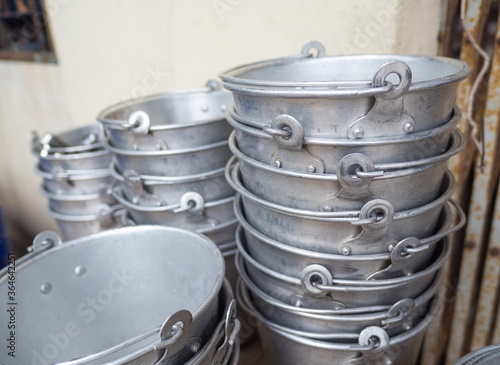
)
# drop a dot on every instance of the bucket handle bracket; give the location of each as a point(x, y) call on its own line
point(388, 110)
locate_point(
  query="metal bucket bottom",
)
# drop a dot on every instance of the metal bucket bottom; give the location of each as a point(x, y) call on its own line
point(131, 300)
point(284, 348)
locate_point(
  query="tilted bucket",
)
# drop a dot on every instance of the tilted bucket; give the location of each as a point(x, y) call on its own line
point(346, 96)
point(169, 121)
point(109, 297)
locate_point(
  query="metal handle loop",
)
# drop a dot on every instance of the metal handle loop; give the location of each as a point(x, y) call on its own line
point(424, 243)
point(318, 46)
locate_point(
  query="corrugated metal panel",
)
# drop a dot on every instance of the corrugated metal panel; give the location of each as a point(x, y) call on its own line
point(463, 313)
point(483, 193)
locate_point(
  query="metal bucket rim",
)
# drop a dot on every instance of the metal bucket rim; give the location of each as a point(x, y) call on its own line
point(412, 167)
point(247, 227)
point(346, 142)
point(474, 357)
point(37, 147)
point(73, 156)
point(68, 197)
point(342, 216)
point(184, 151)
point(102, 116)
point(117, 193)
point(284, 88)
point(336, 313)
point(345, 285)
point(166, 180)
point(214, 293)
point(421, 326)
point(117, 210)
point(219, 227)
point(88, 174)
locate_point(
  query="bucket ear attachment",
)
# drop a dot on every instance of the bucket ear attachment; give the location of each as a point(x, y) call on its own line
point(318, 46)
point(388, 115)
point(286, 131)
point(45, 240)
point(139, 122)
point(213, 85)
point(231, 329)
point(374, 220)
point(174, 334)
point(373, 344)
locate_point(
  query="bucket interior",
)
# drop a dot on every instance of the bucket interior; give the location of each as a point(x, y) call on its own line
point(91, 294)
point(177, 108)
point(346, 69)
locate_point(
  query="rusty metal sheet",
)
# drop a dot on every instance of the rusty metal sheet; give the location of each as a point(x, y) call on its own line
point(480, 202)
point(476, 13)
point(446, 26)
point(486, 314)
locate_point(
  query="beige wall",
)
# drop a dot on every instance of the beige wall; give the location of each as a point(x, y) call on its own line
point(110, 50)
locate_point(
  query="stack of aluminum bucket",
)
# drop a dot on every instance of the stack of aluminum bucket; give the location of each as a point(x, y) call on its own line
point(76, 180)
point(169, 153)
point(344, 201)
point(129, 296)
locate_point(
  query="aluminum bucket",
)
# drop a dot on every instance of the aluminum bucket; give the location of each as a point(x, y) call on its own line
point(91, 160)
point(126, 309)
point(169, 121)
point(404, 189)
point(394, 319)
point(408, 256)
point(76, 182)
point(346, 96)
point(155, 190)
point(87, 204)
point(316, 288)
point(189, 161)
point(191, 212)
point(83, 139)
point(489, 355)
point(376, 228)
point(76, 226)
point(322, 155)
point(221, 234)
point(373, 345)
